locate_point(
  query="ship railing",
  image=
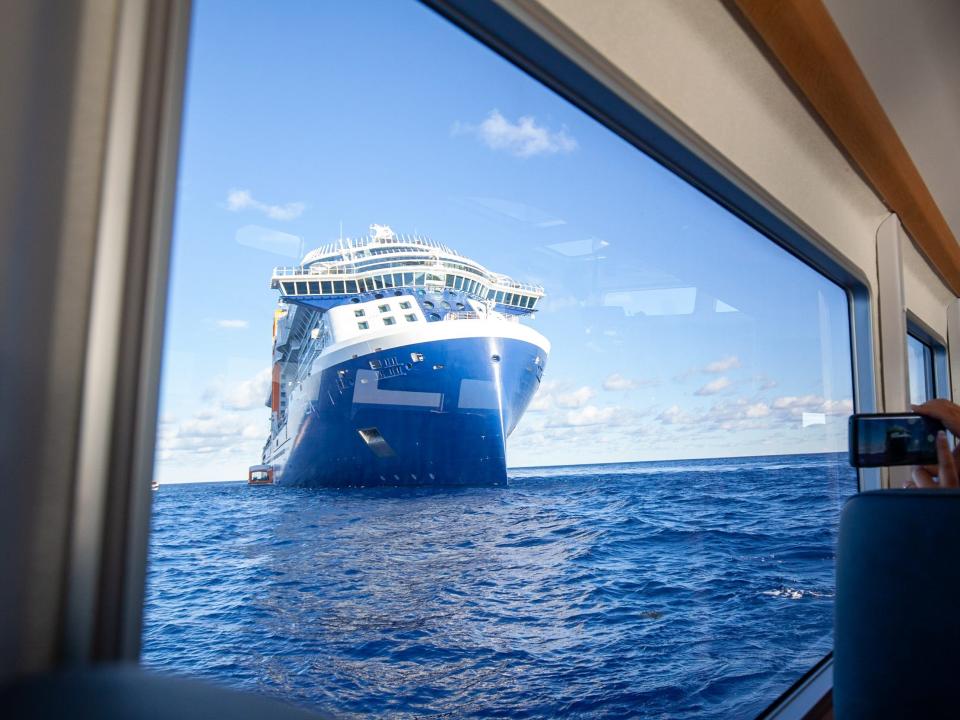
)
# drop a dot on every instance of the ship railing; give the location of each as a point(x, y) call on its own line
point(507, 283)
point(496, 283)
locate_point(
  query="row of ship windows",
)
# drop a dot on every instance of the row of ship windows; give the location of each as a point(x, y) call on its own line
point(410, 317)
point(382, 282)
point(360, 312)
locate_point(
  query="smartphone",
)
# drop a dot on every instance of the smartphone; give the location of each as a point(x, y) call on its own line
point(879, 440)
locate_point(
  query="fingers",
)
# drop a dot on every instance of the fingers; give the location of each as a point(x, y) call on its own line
point(943, 410)
point(947, 472)
point(921, 479)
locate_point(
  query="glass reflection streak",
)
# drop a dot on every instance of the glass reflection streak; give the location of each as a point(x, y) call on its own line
point(398, 361)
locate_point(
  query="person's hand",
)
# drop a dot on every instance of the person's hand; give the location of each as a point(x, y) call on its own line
point(945, 471)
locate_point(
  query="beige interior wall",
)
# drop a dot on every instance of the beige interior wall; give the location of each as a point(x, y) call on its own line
point(910, 54)
point(693, 66)
point(925, 295)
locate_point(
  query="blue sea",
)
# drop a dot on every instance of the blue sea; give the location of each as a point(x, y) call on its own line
point(699, 588)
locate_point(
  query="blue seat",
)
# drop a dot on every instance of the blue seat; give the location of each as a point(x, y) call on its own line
point(126, 692)
point(897, 621)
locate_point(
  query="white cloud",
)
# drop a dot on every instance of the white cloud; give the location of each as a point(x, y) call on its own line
point(552, 394)
point(587, 415)
point(248, 394)
point(714, 386)
point(618, 382)
point(524, 138)
point(719, 366)
point(675, 415)
point(795, 406)
point(578, 398)
point(233, 324)
point(242, 199)
point(757, 410)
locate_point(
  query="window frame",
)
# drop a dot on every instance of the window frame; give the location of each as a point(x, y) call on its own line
point(939, 361)
point(118, 581)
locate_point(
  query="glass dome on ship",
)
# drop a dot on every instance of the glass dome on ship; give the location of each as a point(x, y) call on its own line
point(397, 361)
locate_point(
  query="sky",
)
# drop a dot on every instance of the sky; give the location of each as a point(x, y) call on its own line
point(677, 330)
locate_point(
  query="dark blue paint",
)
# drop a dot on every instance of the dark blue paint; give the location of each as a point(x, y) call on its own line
point(446, 445)
point(667, 590)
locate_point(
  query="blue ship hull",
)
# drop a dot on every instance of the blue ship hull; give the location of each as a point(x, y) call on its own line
point(428, 413)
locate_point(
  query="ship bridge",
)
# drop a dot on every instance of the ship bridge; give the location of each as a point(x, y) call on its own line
point(386, 260)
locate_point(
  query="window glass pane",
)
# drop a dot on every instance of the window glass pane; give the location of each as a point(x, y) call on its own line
point(921, 373)
point(314, 287)
point(301, 288)
point(664, 544)
point(351, 286)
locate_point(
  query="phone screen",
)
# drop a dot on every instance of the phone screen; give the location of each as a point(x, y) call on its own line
point(883, 440)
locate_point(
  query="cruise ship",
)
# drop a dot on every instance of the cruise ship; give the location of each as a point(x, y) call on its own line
point(397, 361)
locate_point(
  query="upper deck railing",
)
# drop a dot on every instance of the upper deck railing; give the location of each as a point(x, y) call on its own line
point(369, 267)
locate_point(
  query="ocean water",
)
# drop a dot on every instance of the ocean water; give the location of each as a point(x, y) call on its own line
point(674, 589)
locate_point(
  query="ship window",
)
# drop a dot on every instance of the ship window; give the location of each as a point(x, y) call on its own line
point(696, 338)
point(383, 308)
point(388, 281)
point(408, 278)
point(927, 363)
point(445, 305)
point(920, 367)
point(449, 281)
point(397, 279)
point(410, 317)
point(428, 304)
point(351, 286)
point(360, 312)
point(301, 288)
point(314, 287)
point(338, 287)
point(405, 305)
point(389, 320)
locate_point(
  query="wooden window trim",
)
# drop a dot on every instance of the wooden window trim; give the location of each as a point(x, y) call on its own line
point(808, 45)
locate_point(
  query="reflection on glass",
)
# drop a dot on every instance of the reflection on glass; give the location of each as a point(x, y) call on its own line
point(665, 544)
point(920, 369)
